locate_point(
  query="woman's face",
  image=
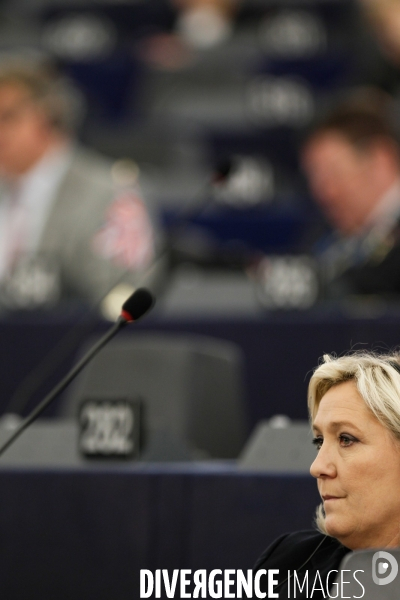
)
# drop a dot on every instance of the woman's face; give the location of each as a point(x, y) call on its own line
point(358, 471)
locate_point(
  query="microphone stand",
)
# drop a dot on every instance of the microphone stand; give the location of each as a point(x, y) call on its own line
point(50, 362)
point(121, 322)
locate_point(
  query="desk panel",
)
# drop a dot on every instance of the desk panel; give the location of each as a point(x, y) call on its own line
point(84, 535)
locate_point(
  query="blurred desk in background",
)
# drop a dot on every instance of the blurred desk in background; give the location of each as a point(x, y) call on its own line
point(85, 534)
point(280, 349)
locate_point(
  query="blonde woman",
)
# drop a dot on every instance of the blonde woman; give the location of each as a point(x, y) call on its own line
point(354, 406)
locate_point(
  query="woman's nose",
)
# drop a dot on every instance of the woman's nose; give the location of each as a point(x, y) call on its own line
point(324, 464)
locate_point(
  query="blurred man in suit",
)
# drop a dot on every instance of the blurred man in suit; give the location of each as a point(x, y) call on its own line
point(68, 229)
point(352, 163)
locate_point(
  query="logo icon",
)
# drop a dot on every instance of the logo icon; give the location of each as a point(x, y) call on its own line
point(380, 566)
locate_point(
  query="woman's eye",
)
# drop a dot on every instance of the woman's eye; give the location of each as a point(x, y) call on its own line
point(317, 441)
point(346, 440)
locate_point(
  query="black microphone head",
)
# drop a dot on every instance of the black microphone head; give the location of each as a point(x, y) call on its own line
point(137, 304)
point(222, 170)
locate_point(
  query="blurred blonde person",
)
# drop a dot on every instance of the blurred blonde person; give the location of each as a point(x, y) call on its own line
point(59, 201)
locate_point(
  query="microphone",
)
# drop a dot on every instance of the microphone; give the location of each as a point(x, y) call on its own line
point(33, 380)
point(222, 170)
point(135, 307)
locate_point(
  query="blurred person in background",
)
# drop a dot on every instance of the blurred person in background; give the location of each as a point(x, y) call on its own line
point(199, 25)
point(68, 228)
point(384, 19)
point(205, 23)
point(352, 163)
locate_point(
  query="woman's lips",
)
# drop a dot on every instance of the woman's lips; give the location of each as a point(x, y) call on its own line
point(327, 498)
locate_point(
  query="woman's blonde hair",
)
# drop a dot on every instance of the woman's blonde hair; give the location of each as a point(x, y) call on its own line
point(377, 378)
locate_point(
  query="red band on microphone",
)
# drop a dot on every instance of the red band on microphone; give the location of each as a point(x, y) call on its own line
point(127, 316)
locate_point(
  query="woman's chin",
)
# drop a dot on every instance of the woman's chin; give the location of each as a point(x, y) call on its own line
point(335, 526)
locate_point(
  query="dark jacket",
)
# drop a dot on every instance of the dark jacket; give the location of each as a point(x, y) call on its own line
point(302, 551)
point(380, 273)
point(359, 266)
